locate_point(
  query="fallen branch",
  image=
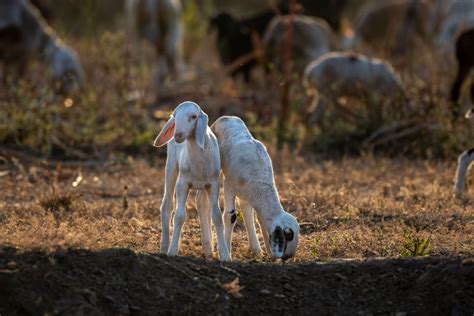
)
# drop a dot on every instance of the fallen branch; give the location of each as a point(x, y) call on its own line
point(397, 135)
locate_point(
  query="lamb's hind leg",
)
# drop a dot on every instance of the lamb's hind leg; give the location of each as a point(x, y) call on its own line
point(204, 211)
point(249, 221)
point(213, 193)
point(230, 216)
point(464, 161)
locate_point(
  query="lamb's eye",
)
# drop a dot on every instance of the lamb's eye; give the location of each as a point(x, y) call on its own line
point(193, 116)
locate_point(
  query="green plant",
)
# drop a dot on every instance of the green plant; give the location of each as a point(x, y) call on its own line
point(414, 245)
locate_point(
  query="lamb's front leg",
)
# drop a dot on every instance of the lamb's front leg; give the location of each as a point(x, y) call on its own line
point(213, 192)
point(266, 238)
point(182, 190)
point(171, 174)
point(249, 221)
point(204, 211)
point(464, 161)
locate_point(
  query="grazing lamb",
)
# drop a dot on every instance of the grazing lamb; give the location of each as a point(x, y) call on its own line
point(248, 173)
point(392, 25)
point(341, 74)
point(464, 161)
point(193, 162)
point(312, 38)
point(158, 21)
point(465, 59)
point(25, 35)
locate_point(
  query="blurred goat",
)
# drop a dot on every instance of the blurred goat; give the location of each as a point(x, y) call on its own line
point(25, 35)
point(312, 38)
point(458, 18)
point(393, 25)
point(158, 21)
point(340, 74)
point(331, 11)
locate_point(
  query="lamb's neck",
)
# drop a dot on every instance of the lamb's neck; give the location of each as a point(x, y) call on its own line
point(193, 149)
point(269, 207)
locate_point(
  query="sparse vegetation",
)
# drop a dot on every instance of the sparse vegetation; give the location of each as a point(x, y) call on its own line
point(81, 187)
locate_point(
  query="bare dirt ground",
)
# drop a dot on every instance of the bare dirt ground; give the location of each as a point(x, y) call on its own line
point(75, 241)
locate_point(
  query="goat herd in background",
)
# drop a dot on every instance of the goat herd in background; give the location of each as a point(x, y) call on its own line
point(321, 58)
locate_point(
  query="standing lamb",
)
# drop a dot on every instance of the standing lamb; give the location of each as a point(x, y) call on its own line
point(341, 74)
point(312, 37)
point(193, 162)
point(248, 173)
point(158, 21)
point(25, 35)
point(465, 59)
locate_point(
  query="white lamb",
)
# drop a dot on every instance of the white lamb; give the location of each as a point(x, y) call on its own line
point(248, 173)
point(341, 74)
point(464, 161)
point(193, 162)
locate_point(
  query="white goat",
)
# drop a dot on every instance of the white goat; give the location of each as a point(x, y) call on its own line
point(341, 74)
point(248, 173)
point(158, 21)
point(454, 24)
point(393, 25)
point(193, 162)
point(464, 161)
point(24, 35)
point(312, 37)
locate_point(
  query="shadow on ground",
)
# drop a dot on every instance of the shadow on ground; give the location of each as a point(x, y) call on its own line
point(119, 281)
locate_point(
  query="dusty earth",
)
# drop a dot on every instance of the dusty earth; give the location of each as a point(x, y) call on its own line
point(121, 282)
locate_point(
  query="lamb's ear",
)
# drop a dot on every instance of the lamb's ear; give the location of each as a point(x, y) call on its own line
point(201, 129)
point(166, 133)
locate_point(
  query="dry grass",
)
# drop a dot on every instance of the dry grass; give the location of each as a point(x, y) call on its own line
point(353, 208)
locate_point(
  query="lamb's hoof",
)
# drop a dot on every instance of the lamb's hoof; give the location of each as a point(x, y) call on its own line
point(225, 258)
point(457, 195)
point(256, 252)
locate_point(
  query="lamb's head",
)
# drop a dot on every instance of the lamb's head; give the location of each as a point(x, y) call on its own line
point(187, 121)
point(284, 235)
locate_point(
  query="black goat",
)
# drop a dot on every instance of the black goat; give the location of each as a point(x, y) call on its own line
point(465, 59)
point(234, 38)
